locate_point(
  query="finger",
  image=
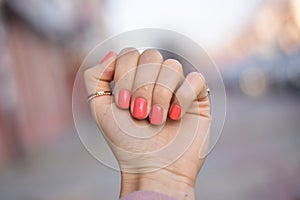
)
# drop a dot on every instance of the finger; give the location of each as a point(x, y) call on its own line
point(98, 78)
point(169, 78)
point(146, 75)
point(124, 76)
point(192, 91)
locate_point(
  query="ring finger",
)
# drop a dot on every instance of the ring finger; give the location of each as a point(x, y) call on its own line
point(145, 78)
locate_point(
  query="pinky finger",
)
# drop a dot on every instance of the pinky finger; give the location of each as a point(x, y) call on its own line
point(190, 97)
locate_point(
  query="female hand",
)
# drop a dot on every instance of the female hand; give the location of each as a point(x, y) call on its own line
point(157, 123)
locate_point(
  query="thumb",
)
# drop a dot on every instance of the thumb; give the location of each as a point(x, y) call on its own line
point(98, 78)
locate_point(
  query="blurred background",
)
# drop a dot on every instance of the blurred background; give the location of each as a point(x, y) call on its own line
point(255, 43)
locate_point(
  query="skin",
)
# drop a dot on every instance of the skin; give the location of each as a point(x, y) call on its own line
point(164, 158)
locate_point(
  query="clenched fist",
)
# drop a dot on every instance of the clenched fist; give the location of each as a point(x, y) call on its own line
point(156, 122)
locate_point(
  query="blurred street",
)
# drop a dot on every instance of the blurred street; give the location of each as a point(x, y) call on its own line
point(257, 157)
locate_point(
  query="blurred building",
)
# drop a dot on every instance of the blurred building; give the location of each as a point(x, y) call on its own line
point(266, 54)
point(40, 52)
point(274, 27)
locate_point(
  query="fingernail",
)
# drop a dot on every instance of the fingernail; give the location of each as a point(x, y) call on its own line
point(140, 108)
point(156, 115)
point(106, 57)
point(175, 112)
point(124, 99)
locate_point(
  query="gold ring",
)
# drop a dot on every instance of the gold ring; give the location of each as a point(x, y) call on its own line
point(98, 94)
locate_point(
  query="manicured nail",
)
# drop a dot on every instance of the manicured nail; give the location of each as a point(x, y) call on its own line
point(106, 57)
point(140, 108)
point(175, 112)
point(124, 99)
point(156, 116)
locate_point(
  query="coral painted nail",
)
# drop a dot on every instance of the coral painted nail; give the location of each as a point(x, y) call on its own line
point(140, 108)
point(106, 57)
point(124, 99)
point(175, 112)
point(156, 116)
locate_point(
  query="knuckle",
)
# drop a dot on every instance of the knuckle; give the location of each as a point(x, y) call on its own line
point(88, 74)
point(128, 50)
point(152, 52)
point(175, 64)
point(197, 81)
point(162, 96)
point(144, 89)
point(160, 93)
point(196, 77)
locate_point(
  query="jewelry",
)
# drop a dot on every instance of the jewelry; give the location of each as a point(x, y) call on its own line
point(98, 94)
point(207, 91)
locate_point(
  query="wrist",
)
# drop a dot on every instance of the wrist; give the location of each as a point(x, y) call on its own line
point(162, 181)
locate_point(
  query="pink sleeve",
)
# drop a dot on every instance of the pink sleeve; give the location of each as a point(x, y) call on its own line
point(146, 195)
